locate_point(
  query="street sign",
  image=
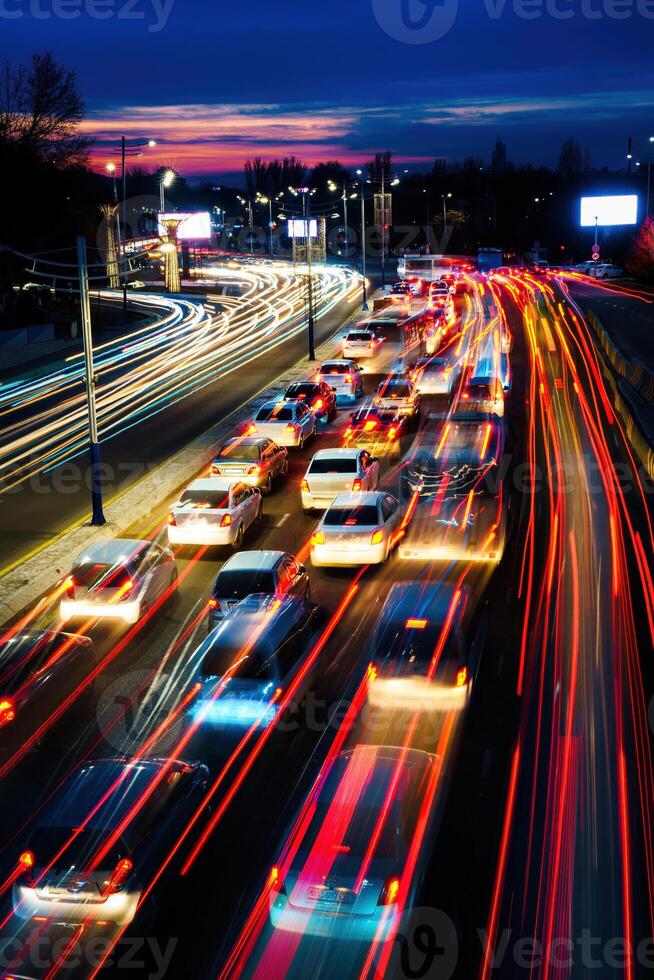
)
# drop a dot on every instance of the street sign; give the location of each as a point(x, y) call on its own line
point(596, 253)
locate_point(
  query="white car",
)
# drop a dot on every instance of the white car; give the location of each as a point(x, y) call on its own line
point(344, 378)
point(605, 270)
point(433, 376)
point(483, 394)
point(357, 529)
point(360, 343)
point(215, 511)
point(334, 471)
point(118, 579)
point(398, 393)
point(288, 423)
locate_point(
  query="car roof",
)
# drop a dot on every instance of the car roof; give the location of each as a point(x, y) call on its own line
point(277, 403)
point(356, 499)
point(212, 483)
point(340, 362)
point(260, 560)
point(114, 550)
point(278, 614)
point(246, 441)
point(337, 453)
point(427, 600)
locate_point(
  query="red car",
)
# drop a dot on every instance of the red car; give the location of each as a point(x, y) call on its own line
point(318, 395)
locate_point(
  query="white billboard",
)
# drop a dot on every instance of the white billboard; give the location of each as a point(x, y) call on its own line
point(297, 228)
point(619, 209)
point(194, 225)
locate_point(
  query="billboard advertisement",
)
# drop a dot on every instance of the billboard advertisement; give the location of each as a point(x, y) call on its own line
point(619, 209)
point(194, 225)
point(297, 228)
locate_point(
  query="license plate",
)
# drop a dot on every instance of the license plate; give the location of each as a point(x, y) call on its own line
point(318, 894)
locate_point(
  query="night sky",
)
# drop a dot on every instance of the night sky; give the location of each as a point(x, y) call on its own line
point(215, 82)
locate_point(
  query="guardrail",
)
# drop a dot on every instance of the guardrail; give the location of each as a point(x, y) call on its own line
point(637, 374)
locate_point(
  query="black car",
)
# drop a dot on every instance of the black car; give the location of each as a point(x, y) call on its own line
point(39, 671)
point(318, 395)
point(249, 572)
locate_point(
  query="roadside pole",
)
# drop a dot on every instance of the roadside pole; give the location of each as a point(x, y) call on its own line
point(98, 517)
point(364, 304)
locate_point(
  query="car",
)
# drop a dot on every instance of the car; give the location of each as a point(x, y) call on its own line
point(118, 579)
point(288, 423)
point(401, 293)
point(249, 572)
point(418, 653)
point(135, 284)
point(214, 511)
point(397, 392)
point(432, 376)
point(333, 471)
point(360, 343)
point(415, 285)
point(466, 528)
point(482, 394)
point(269, 638)
point(379, 430)
point(344, 378)
point(255, 460)
point(318, 395)
point(357, 529)
point(498, 365)
point(606, 270)
point(102, 838)
point(461, 456)
point(584, 267)
point(369, 795)
point(39, 669)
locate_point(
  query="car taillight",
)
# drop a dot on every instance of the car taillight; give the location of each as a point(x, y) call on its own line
point(357, 485)
point(318, 404)
point(226, 520)
point(215, 470)
point(389, 892)
point(291, 428)
point(370, 425)
point(462, 677)
point(120, 875)
point(377, 401)
point(377, 537)
point(317, 537)
point(348, 379)
point(275, 882)
point(465, 395)
point(251, 428)
point(305, 486)
point(411, 399)
point(213, 603)
point(171, 520)
point(348, 432)
point(7, 711)
point(69, 585)
point(26, 865)
point(254, 470)
point(391, 433)
point(126, 590)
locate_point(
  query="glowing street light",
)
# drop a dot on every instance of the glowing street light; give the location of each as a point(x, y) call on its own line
point(167, 180)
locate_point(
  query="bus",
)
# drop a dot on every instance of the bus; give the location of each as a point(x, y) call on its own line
point(430, 267)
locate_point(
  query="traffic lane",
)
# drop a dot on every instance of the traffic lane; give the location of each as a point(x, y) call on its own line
point(35, 511)
point(629, 319)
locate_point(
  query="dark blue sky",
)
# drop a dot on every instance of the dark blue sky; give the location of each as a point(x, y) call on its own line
point(215, 82)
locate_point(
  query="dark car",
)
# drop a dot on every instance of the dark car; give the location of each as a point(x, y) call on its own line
point(248, 572)
point(380, 430)
point(39, 670)
point(261, 645)
point(256, 460)
point(318, 395)
point(103, 837)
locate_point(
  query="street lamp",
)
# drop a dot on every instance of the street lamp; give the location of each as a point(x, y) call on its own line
point(266, 200)
point(364, 301)
point(649, 170)
point(127, 148)
point(111, 169)
point(306, 195)
point(167, 179)
point(445, 198)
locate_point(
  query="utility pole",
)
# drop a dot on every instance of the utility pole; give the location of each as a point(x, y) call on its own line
point(123, 267)
point(383, 230)
point(307, 229)
point(97, 517)
point(364, 302)
point(251, 219)
point(347, 237)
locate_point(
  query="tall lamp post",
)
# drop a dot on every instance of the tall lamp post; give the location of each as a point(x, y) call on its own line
point(97, 517)
point(262, 199)
point(167, 180)
point(364, 299)
point(127, 148)
point(306, 191)
point(445, 199)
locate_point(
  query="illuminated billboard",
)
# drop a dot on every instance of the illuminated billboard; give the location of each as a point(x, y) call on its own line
point(297, 228)
point(619, 209)
point(194, 225)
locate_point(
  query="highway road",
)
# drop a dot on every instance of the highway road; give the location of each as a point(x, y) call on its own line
point(158, 388)
point(540, 812)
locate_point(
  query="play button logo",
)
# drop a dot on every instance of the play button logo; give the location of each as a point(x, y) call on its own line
point(416, 21)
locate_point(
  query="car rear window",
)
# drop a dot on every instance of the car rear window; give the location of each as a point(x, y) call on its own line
point(282, 413)
point(335, 369)
point(236, 584)
point(479, 391)
point(100, 575)
point(365, 515)
point(209, 499)
point(302, 391)
point(242, 451)
point(48, 843)
point(395, 389)
point(359, 335)
point(333, 465)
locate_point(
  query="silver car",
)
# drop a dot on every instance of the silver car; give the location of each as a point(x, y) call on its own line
point(289, 423)
point(256, 460)
point(118, 579)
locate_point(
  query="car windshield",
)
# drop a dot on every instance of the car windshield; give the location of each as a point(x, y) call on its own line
point(334, 464)
point(206, 499)
point(275, 413)
point(359, 335)
point(240, 451)
point(236, 584)
point(23, 655)
point(302, 391)
point(362, 515)
point(91, 575)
